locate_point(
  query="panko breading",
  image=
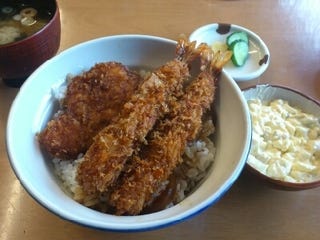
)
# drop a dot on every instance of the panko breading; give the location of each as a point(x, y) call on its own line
point(92, 99)
point(132, 161)
point(168, 140)
point(107, 156)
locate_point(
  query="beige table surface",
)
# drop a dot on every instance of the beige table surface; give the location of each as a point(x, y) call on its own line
point(291, 29)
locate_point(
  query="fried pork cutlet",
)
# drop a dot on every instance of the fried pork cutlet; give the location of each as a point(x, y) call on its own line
point(106, 157)
point(92, 99)
point(168, 140)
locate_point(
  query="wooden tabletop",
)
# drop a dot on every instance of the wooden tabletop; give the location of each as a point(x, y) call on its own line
point(249, 210)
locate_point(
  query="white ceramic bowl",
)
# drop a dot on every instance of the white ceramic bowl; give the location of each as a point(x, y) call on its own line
point(35, 104)
point(296, 99)
point(259, 55)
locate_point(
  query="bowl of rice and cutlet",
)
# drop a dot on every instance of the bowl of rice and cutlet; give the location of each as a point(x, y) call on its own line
point(130, 137)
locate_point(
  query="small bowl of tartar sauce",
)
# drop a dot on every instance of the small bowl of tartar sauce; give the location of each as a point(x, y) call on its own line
point(285, 146)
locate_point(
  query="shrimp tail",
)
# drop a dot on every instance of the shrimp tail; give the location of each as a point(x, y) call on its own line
point(216, 59)
point(185, 50)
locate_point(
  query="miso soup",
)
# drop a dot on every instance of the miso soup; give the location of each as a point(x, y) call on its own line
point(21, 19)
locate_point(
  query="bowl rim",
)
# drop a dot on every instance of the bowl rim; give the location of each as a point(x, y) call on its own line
point(284, 185)
point(291, 89)
point(140, 227)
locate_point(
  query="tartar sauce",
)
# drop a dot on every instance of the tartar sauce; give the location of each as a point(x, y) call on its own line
point(285, 141)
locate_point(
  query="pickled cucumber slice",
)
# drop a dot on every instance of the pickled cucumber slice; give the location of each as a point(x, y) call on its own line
point(240, 51)
point(236, 36)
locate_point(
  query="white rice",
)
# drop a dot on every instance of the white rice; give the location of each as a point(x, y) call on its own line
point(67, 172)
point(197, 159)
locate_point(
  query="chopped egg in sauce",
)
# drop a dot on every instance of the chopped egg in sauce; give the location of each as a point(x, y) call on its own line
point(285, 141)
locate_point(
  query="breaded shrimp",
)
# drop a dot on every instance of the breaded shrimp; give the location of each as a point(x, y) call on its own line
point(153, 166)
point(92, 99)
point(111, 148)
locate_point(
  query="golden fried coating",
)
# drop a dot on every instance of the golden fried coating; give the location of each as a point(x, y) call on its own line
point(168, 140)
point(107, 155)
point(92, 99)
point(63, 136)
point(111, 148)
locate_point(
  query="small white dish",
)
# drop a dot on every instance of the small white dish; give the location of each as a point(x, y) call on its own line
point(259, 55)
